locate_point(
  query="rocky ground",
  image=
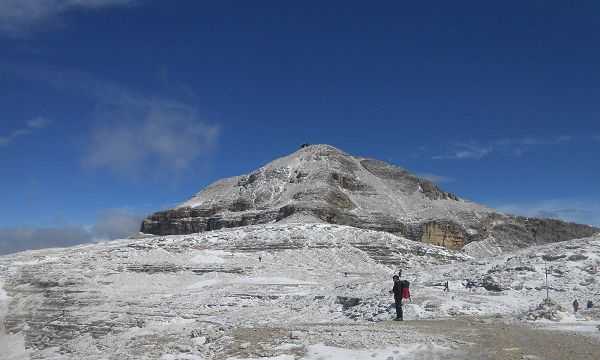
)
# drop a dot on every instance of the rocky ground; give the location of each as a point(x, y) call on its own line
point(494, 338)
point(450, 338)
point(287, 291)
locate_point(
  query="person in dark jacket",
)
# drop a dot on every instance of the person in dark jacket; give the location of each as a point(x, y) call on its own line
point(397, 291)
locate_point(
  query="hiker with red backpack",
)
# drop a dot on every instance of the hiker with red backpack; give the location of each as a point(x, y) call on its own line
point(400, 291)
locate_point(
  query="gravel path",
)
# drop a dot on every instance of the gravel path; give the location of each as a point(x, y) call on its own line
point(462, 338)
point(493, 339)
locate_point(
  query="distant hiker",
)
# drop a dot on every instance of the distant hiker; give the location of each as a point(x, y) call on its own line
point(590, 304)
point(397, 291)
point(446, 286)
point(400, 273)
point(345, 274)
point(259, 258)
point(575, 305)
point(469, 284)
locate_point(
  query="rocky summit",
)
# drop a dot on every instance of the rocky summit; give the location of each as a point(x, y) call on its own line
point(320, 183)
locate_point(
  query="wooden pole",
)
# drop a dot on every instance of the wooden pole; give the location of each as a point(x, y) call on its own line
point(546, 271)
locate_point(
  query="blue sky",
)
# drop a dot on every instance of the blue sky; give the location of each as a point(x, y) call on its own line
point(113, 109)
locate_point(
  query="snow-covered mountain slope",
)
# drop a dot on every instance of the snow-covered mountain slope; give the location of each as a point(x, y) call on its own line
point(320, 183)
point(199, 296)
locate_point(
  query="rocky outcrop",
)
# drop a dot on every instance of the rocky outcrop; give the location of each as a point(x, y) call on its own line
point(402, 180)
point(325, 184)
point(447, 234)
point(508, 232)
point(548, 309)
point(188, 221)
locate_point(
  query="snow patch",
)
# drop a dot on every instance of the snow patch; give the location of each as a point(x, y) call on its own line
point(3, 294)
point(181, 357)
point(409, 351)
point(12, 345)
point(584, 327)
point(209, 257)
point(202, 284)
point(279, 357)
point(273, 281)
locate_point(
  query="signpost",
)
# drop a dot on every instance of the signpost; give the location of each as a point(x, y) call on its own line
point(546, 271)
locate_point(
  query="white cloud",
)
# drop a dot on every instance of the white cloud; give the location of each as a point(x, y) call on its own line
point(31, 126)
point(115, 225)
point(584, 211)
point(135, 135)
point(465, 151)
point(111, 225)
point(38, 123)
point(27, 237)
point(515, 146)
point(19, 17)
point(534, 141)
point(141, 138)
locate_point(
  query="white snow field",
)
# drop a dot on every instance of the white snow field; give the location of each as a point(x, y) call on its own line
point(319, 291)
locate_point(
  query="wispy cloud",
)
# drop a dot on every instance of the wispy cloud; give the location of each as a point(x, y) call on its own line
point(19, 17)
point(584, 211)
point(115, 225)
point(535, 141)
point(137, 139)
point(111, 225)
point(438, 179)
point(465, 151)
point(74, 81)
point(515, 146)
point(29, 127)
point(135, 135)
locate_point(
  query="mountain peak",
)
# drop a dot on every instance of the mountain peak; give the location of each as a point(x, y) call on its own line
point(318, 173)
point(321, 183)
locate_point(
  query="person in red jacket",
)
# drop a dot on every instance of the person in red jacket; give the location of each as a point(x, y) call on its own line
point(575, 305)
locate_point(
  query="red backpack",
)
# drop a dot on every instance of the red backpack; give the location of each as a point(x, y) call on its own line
point(405, 289)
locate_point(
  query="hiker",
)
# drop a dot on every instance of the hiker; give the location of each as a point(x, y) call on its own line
point(575, 305)
point(590, 304)
point(259, 258)
point(398, 291)
point(446, 286)
point(469, 284)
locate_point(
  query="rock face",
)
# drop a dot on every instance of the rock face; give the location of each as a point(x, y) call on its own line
point(320, 183)
point(449, 235)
